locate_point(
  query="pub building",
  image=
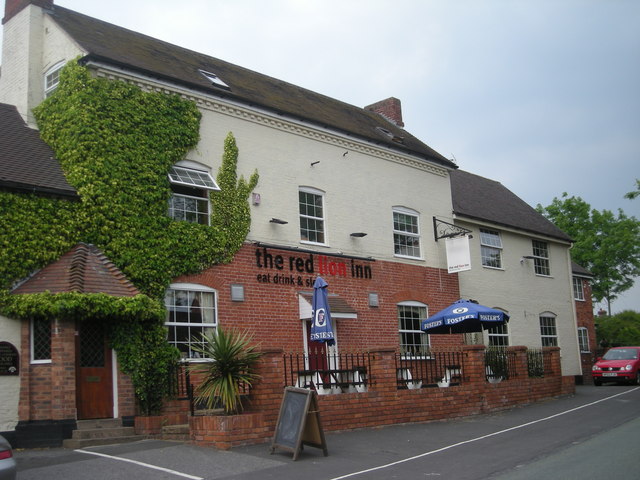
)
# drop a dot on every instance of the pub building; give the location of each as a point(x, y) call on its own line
point(344, 192)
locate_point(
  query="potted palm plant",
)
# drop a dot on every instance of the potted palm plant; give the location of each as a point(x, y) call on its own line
point(233, 359)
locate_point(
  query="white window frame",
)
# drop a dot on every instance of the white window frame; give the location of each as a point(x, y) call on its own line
point(548, 329)
point(578, 289)
point(182, 214)
point(407, 235)
point(191, 180)
point(190, 288)
point(32, 352)
point(490, 244)
point(53, 73)
point(498, 336)
point(541, 263)
point(401, 331)
point(583, 340)
point(303, 217)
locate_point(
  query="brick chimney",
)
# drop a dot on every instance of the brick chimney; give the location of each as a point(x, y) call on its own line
point(13, 7)
point(389, 109)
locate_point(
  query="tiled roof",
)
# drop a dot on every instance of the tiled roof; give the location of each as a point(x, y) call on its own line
point(27, 164)
point(579, 270)
point(84, 269)
point(479, 198)
point(130, 50)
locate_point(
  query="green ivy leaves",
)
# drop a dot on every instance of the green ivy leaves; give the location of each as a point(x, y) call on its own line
point(116, 144)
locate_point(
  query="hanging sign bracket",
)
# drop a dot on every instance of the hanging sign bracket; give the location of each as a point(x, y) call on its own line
point(442, 229)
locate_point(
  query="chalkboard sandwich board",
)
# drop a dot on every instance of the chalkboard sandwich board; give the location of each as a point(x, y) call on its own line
point(299, 422)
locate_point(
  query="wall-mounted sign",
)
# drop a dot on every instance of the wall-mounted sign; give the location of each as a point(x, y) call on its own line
point(458, 254)
point(9, 359)
point(291, 269)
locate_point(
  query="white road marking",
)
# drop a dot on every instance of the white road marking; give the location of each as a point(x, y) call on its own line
point(448, 447)
point(146, 465)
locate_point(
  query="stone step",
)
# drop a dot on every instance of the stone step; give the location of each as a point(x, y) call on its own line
point(74, 443)
point(91, 433)
point(103, 433)
point(99, 423)
point(179, 433)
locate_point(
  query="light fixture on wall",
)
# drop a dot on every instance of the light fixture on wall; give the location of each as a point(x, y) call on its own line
point(358, 234)
point(278, 221)
point(526, 257)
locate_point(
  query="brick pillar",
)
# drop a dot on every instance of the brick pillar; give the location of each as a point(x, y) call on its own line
point(24, 406)
point(473, 368)
point(553, 354)
point(267, 393)
point(63, 370)
point(383, 370)
point(521, 361)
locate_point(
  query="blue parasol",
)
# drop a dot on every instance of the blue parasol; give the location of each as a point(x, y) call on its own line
point(464, 316)
point(321, 326)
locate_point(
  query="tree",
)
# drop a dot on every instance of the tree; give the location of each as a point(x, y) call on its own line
point(635, 193)
point(605, 244)
point(622, 329)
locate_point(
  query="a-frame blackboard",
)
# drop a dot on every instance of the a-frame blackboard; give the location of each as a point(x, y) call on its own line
point(299, 422)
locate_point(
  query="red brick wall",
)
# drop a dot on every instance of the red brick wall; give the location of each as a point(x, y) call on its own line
point(584, 313)
point(384, 404)
point(271, 310)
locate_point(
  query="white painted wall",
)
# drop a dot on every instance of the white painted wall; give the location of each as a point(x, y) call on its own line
point(32, 43)
point(9, 385)
point(361, 186)
point(516, 289)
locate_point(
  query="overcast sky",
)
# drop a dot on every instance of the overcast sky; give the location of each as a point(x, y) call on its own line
point(540, 95)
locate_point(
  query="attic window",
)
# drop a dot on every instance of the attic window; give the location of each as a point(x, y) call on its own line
point(214, 79)
point(192, 178)
point(391, 135)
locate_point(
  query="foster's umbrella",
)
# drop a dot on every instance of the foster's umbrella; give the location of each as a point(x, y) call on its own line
point(321, 326)
point(464, 316)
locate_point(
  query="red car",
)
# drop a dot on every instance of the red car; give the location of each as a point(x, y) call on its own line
point(619, 364)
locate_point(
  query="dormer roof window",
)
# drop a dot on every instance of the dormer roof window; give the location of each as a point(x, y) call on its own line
point(214, 79)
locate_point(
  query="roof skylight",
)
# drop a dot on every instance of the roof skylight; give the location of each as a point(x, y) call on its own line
point(192, 178)
point(214, 79)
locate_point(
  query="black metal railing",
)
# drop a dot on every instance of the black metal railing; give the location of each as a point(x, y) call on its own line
point(179, 384)
point(328, 373)
point(429, 369)
point(536, 362)
point(499, 364)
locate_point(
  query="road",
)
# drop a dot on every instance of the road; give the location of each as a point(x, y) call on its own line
point(590, 435)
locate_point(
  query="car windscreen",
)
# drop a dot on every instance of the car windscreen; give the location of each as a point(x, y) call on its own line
point(621, 354)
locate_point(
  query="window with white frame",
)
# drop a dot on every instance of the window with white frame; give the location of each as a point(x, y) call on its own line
point(190, 188)
point(52, 79)
point(548, 330)
point(191, 313)
point(498, 336)
point(578, 288)
point(413, 341)
point(490, 248)
point(312, 220)
point(583, 339)
point(40, 337)
point(541, 258)
point(406, 233)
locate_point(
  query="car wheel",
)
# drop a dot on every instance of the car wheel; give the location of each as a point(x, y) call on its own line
point(637, 381)
point(597, 382)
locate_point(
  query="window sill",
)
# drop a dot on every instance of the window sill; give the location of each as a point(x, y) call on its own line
point(406, 257)
point(499, 269)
